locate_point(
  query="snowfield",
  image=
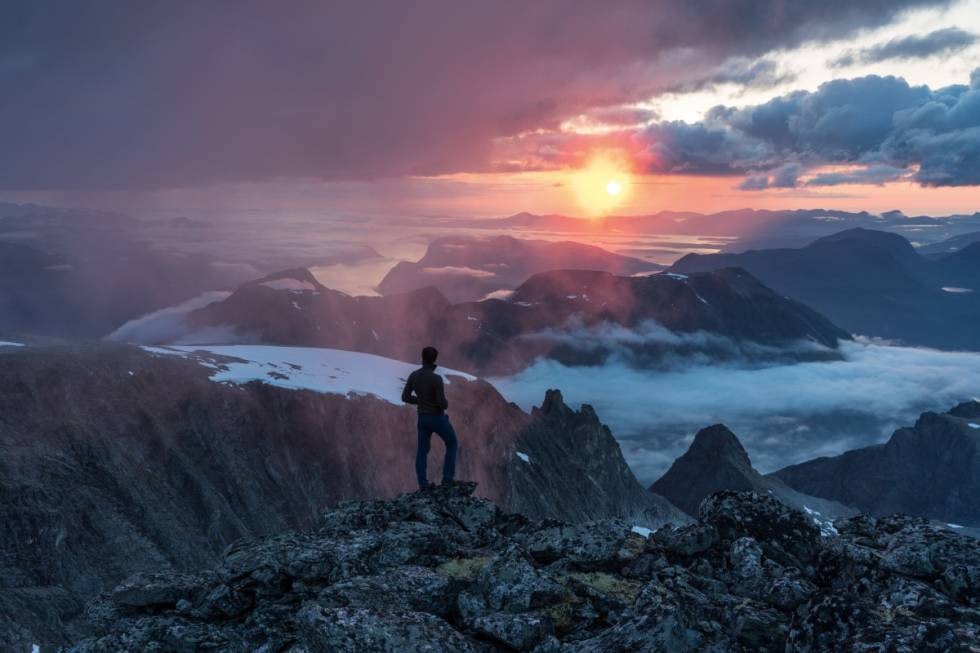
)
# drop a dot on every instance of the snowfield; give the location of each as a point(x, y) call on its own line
point(4, 343)
point(330, 371)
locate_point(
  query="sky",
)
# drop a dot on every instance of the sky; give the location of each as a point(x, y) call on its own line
point(488, 109)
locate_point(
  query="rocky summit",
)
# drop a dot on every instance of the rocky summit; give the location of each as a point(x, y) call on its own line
point(444, 571)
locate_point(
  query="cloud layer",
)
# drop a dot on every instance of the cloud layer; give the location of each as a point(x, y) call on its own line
point(883, 126)
point(119, 94)
point(940, 41)
point(783, 414)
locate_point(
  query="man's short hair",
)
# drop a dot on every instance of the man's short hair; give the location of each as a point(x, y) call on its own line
point(429, 355)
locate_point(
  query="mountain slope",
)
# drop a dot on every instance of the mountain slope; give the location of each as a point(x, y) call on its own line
point(950, 245)
point(115, 460)
point(931, 469)
point(469, 268)
point(872, 283)
point(564, 314)
point(716, 461)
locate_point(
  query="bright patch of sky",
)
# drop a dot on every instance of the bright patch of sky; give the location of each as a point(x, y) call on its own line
point(811, 64)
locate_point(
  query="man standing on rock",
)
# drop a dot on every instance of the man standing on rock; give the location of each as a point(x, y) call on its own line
point(424, 388)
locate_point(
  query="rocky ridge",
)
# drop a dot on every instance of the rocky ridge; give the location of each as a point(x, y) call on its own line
point(930, 469)
point(442, 571)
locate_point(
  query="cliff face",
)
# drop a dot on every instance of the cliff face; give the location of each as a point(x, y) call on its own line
point(443, 572)
point(570, 467)
point(931, 469)
point(115, 461)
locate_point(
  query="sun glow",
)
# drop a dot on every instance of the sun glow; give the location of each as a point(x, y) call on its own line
point(602, 184)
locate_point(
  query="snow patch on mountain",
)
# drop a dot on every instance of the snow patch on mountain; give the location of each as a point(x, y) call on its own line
point(4, 343)
point(329, 371)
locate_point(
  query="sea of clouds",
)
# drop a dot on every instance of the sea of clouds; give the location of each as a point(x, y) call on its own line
point(783, 414)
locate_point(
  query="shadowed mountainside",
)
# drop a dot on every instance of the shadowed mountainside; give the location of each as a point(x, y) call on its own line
point(574, 316)
point(871, 283)
point(931, 469)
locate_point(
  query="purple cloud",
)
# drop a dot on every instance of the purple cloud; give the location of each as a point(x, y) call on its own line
point(121, 94)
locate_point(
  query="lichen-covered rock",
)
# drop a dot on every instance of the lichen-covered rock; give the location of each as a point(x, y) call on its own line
point(521, 632)
point(354, 630)
point(443, 571)
point(786, 535)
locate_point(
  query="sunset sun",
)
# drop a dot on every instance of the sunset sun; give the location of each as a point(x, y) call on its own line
point(602, 184)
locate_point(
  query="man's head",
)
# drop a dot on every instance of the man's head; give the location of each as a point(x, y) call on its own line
point(429, 356)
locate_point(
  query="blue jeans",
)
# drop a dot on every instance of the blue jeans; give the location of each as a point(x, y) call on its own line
point(438, 424)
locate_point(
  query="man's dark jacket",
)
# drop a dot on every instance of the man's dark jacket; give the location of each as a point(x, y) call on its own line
point(430, 396)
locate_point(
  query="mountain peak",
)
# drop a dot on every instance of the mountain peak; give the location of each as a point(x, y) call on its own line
point(967, 410)
point(892, 242)
point(718, 442)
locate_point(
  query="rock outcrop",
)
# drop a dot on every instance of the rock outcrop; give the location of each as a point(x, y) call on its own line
point(570, 467)
point(931, 469)
point(443, 572)
point(716, 461)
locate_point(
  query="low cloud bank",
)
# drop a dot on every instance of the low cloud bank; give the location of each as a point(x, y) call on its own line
point(650, 344)
point(783, 414)
point(167, 325)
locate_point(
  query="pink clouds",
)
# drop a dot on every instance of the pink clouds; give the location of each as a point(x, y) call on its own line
point(136, 95)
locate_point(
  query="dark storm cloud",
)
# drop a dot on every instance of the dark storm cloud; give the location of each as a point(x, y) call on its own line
point(785, 176)
point(155, 94)
point(881, 123)
point(941, 41)
point(757, 73)
point(876, 175)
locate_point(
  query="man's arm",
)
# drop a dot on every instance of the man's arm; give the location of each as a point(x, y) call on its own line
point(441, 394)
point(407, 392)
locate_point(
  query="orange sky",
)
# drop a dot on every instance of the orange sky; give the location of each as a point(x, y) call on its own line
point(553, 192)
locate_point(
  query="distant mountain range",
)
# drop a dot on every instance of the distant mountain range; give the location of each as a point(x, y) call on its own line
point(574, 316)
point(755, 228)
point(871, 283)
point(950, 245)
point(470, 268)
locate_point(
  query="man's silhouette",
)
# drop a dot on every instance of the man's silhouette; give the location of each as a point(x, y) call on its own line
point(430, 397)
